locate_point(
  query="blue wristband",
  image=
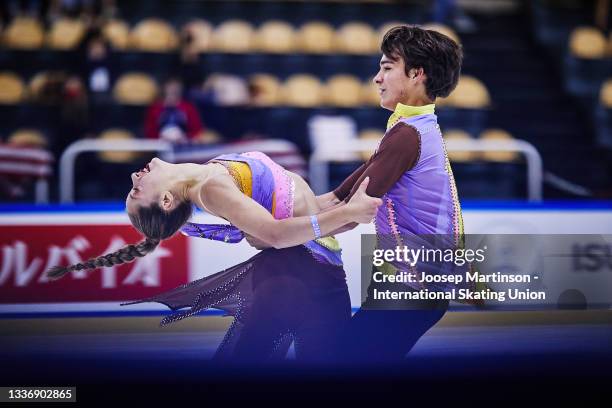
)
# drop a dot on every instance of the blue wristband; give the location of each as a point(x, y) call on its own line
point(315, 226)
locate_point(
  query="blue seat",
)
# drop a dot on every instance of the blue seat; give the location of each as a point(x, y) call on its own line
point(583, 77)
point(603, 126)
point(472, 121)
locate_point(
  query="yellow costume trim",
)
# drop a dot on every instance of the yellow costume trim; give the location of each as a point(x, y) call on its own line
point(406, 111)
point(330, 243)
point(241, 172)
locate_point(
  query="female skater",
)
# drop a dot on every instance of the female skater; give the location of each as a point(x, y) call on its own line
point(295, 290)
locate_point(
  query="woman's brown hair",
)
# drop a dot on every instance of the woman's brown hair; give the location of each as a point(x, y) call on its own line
point(153, 222)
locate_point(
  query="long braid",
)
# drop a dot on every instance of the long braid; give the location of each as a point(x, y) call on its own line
point(153, 222)
point(126, 254)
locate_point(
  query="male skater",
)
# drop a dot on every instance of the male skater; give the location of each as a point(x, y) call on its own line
point(410, 171)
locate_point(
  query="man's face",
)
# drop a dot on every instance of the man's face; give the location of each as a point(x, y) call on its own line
point(393, 84)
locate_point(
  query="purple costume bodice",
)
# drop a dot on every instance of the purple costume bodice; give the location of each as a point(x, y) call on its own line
point(422, 208)
point(271, 188)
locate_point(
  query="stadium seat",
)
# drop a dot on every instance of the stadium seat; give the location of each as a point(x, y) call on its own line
point(201, 32)
point(443, 29)
point(135, 88)
point(276, 37)
point(355, 38)
point(117, 33)
point(498, 156)
point(460, 157)
point(24, 33)
point(588, 43)
point(65, 34)
point(302, 90)
point(265, 90)
point(586, 65)
point(227, 89)
point(316, 37)
point(343, 91)
point(12, 89)
point(233, 36)
point(117, 156)
point(370, 134)
point(605, 94)
point(603, 116)
point(154, 35)
point(27, 138)
point(470, 94)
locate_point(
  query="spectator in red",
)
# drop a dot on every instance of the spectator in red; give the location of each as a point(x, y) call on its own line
point(172, 117)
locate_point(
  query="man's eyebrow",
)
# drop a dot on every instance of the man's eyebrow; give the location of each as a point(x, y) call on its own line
point(386, 62)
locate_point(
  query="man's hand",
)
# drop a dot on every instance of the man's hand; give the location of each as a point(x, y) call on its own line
point(327, 200)
point(363, 208)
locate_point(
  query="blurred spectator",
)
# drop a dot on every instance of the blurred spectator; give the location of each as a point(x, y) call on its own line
point(602, 14)
point(191, 71)
point(97, 69)
point(91, 11)
point(172, 117)
point(74, 118)
point(107, 9)
point(67, 8)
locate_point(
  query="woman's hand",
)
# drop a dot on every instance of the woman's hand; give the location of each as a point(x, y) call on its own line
point(361, 206)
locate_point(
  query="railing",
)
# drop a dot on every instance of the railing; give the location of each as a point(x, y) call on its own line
point(319, 160)
point(66, 170)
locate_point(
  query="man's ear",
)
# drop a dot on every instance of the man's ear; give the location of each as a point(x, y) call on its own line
point(417, 72)
point(166, 201)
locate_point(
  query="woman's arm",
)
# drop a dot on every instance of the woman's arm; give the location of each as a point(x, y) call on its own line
point(259, 244)
point(225, 200)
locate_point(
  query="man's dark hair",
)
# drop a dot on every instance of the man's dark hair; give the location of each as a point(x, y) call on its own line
point(438, 55)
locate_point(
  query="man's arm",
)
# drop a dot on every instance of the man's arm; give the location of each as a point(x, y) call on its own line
point(398, 152)
point(340, 193)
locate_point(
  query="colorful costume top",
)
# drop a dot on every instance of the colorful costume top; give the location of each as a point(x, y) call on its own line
point(261, 179)
point(420, 204)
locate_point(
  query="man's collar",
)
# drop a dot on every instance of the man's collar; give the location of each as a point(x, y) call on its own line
point(406, 111)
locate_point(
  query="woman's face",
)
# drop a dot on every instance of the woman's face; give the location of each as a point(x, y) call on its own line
point(149, 184)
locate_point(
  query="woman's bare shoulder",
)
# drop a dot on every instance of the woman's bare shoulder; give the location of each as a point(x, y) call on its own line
point(215, 191)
